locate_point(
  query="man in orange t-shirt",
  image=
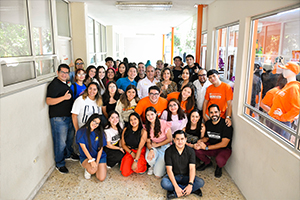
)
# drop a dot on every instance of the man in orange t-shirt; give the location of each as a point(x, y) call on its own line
point(154, 100)
point(218, 93)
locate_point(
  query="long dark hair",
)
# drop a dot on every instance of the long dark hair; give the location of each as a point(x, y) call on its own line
point(108, 124)
point(124, 99)
point(157, 127)
point(119, 75)
point(88, 71)
point(98, 97)
point(136, 133)
point(180, 112)
point(190, 75)
point(190, 100)
point(189, 123)
point(106, 95)
point(98, 131)
point(110, 68)
point(97, 77)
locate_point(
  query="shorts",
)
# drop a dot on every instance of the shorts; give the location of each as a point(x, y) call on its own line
point(102, 159)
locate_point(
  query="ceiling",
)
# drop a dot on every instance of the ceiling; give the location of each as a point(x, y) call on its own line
point(132, 22)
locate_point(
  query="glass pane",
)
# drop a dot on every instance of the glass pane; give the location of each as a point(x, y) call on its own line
point(44, 67)
point(17, 72)
point(14, 37)
point(269, 90)
point(221, 49)
point(103, 37)
point(232, 52)
point(280, 132)
point(91, 35)
point(98, 37)
point(41, 27)
point(62, 15)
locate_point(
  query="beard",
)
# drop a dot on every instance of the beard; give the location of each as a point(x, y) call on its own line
point(215, 118)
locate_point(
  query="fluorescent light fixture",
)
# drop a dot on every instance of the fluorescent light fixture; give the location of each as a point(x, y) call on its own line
point(124, 5)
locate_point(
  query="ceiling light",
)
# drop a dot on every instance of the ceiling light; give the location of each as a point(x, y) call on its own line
point(124, 5)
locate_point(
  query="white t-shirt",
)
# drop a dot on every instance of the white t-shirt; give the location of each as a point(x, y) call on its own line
point(112, 135)
point(201, 90)
point(84, 108)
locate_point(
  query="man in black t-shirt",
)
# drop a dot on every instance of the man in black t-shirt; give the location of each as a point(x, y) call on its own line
point(193, 67)
point(216, 142)
point(60, 101)
point(181, 179)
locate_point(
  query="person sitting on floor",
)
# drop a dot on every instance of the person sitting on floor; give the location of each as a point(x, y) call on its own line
point(216, 142)
point(181, 179)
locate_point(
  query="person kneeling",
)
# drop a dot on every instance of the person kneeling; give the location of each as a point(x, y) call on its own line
point(181, 179)
point(91, 141)
point(216, 142)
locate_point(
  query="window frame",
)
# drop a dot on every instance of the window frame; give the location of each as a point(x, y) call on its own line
point(294, 148)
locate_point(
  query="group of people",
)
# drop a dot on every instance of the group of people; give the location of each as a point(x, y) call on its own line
point(132, 117)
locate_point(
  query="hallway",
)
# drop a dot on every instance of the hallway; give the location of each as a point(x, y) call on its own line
point(75, 186)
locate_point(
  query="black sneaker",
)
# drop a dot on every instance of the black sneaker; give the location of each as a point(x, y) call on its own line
point(73, 157)
point(203, 166)
point(170, 195)
point(218, 172)
point(198, 192)
point(63, 170)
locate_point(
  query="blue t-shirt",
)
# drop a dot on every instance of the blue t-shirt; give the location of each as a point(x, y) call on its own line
point(72, 77)
point(81, 137)
point(123, 83)
point(80, 90)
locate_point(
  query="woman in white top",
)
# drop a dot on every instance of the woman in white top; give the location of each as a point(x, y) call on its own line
point(127, 103)
point(175, 115)
point(88, 103)
point(113, 132)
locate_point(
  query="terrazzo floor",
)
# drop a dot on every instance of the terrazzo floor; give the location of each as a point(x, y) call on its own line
point(135, 187)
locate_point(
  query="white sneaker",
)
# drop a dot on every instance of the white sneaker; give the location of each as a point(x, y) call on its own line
point(86, 174)
point(150, 171)
point(108, 167)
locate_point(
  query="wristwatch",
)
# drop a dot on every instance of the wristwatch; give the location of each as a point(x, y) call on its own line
point(228, 117)
point(135, 160)
point(206, 148)
point(190, 183)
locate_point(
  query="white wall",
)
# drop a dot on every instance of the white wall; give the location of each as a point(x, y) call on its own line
point(259, 165)
point(143, 48)
point(26, 148)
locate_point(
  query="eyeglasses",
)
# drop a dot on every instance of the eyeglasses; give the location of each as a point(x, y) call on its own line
point(80, 63)
point(153, 94)
point(64, 72)
point(202, 75)
point(96, 123)
point(81, 74)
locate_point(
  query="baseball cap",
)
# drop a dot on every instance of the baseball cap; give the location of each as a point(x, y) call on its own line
point(294, 67)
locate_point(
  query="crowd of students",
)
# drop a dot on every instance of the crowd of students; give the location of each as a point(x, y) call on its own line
point(130, 116)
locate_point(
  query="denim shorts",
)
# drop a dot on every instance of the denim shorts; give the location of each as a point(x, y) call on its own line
point(102, 159)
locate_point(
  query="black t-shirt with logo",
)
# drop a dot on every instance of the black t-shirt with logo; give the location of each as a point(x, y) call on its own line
point(58, 89)
point(215, 133)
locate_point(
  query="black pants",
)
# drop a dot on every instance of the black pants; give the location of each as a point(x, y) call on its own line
point(113, 156)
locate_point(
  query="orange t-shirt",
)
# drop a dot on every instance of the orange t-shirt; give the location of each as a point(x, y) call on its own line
point(286, 102)
point(268, 99)
point(175, 95)
point(219, 95)
point(144, 103)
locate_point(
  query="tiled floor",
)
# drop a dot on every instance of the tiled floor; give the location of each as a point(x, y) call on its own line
point(134, 187)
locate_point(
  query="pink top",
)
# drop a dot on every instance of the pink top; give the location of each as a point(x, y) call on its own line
point(165, 126)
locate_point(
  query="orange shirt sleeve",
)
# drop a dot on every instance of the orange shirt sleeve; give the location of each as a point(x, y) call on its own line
point(173, 95)
point(268, 99)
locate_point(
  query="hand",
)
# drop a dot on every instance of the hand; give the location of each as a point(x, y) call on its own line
point(228, 122)
point(188, 189)
point(71, 64)
point(93, 164)
point(120, 91)
point(150, 155)
point(133, 155)
point(67, 95)
point(179, 191)
point(196, 70)
point(202, 145)
point(134, 166)
point(197, 146)
point(121, 149)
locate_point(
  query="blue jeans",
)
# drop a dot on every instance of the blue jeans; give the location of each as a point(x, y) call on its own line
point(280, 131)
point(158, 162)
point(63, 134)
point(182, 182)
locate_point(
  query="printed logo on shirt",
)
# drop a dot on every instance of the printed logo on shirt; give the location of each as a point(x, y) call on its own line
point(281, 93)
point(213, 135)
point(215, 96)
point(88, 111)
point(129, 108)
point(96, 139)
point(116, 138)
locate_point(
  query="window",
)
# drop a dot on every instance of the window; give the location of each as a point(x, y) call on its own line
point(26, 40)
point(62, 16)
point(203, 50)
point(226, 51)
point(275, 40)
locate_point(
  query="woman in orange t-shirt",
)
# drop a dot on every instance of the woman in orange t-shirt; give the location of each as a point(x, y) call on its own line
point(186, 97)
